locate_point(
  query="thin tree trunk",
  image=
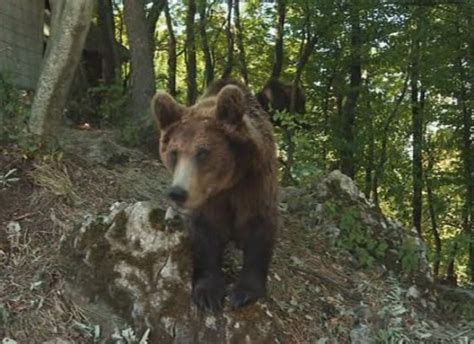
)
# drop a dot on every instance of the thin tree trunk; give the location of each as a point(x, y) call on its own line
point(432, 211)
point(152, 18)
point(142, 70)
point(347, 159)
point(379, 171)
point(417, 132)
point(339, 85)
point(325, 108)
point(278, 62)
point(451, 271)
point(434, 229)
point(240, 42)
point(305, 52)
point(369, 168)
point(208, 61)
point(191, 53)
point(111, 60)
point(172, 59)
point(230, 42)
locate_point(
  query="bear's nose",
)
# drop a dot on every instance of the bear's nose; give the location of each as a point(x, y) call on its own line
point(177, 194)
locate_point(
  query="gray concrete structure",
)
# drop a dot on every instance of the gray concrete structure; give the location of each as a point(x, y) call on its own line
point(21, 41)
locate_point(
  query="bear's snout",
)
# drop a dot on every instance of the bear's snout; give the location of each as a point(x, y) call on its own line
point(177, 194)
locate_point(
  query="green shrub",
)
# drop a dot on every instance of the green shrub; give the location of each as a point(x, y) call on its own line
point(355, 237)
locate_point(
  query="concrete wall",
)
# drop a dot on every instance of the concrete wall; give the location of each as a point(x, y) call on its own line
point(21, 41)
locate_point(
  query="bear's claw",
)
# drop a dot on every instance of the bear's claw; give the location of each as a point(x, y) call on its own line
point(209, 293)
point(241, 297)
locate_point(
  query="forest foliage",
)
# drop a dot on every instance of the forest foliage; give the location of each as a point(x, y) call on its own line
point(388, 89)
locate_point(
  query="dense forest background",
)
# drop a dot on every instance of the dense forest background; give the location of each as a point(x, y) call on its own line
point(388, 90)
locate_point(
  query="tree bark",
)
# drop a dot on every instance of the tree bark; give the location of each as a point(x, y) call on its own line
point(72, 20)
point(417, 132)
point(369, 168)
point(191, 53)
point(278, 62)
point(208, 61)
point(433, 219)
point(326, 117)
point(240, 42)
point(347, 159)
point(142, 70)
point(152, 18)
point(230, 42)
point(111, 60)
point(451, 270)
point(172, 57)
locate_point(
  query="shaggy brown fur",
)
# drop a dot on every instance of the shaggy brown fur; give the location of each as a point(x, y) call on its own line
point(222, 155)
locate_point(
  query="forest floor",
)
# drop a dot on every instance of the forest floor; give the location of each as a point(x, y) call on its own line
point(316, 295)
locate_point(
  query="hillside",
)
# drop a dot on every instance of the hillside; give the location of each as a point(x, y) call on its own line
point(77, 264)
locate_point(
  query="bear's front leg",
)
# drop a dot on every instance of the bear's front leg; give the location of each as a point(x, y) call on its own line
point(257, 249)
point(208, 279)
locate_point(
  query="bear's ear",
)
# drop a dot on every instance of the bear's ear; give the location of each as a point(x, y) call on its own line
point(230, 105)
point(165, 110)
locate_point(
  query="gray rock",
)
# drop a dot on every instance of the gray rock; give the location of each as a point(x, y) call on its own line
point(140, 266)
point(343, 185)
point(57, 341)
point(361, 334)
point(96, 147)
point(413, 292)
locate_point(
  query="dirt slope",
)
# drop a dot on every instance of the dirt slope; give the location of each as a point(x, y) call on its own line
point(323, 287)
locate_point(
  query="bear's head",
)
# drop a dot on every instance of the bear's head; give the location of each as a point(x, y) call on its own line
point(200, 144)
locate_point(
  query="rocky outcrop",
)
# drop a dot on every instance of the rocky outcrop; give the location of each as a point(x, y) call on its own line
point(133, 263)
point(139, 265)
point(337, 208)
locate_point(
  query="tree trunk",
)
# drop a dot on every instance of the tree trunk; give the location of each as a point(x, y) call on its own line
point(326, 117)
point(191, 53)
point(111, 60)
point(240, 42)
point(152, 18)
point(208, 61)
point(230, 42)
point(379, 171)
point(451, 271)
point(432, 211)
point(306, 48)
point(369, 168)
point(347, 159)
point(141, 52)
point(417, 132)
point(278, 62)
point(172, 58)
point(64, 49)
point(434, 229)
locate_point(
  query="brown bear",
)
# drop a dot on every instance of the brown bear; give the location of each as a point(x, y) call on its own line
point(221, 153)
point(276, 96)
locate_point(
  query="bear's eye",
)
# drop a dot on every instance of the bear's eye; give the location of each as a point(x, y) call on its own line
point(202, 154)
point(173, 157)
